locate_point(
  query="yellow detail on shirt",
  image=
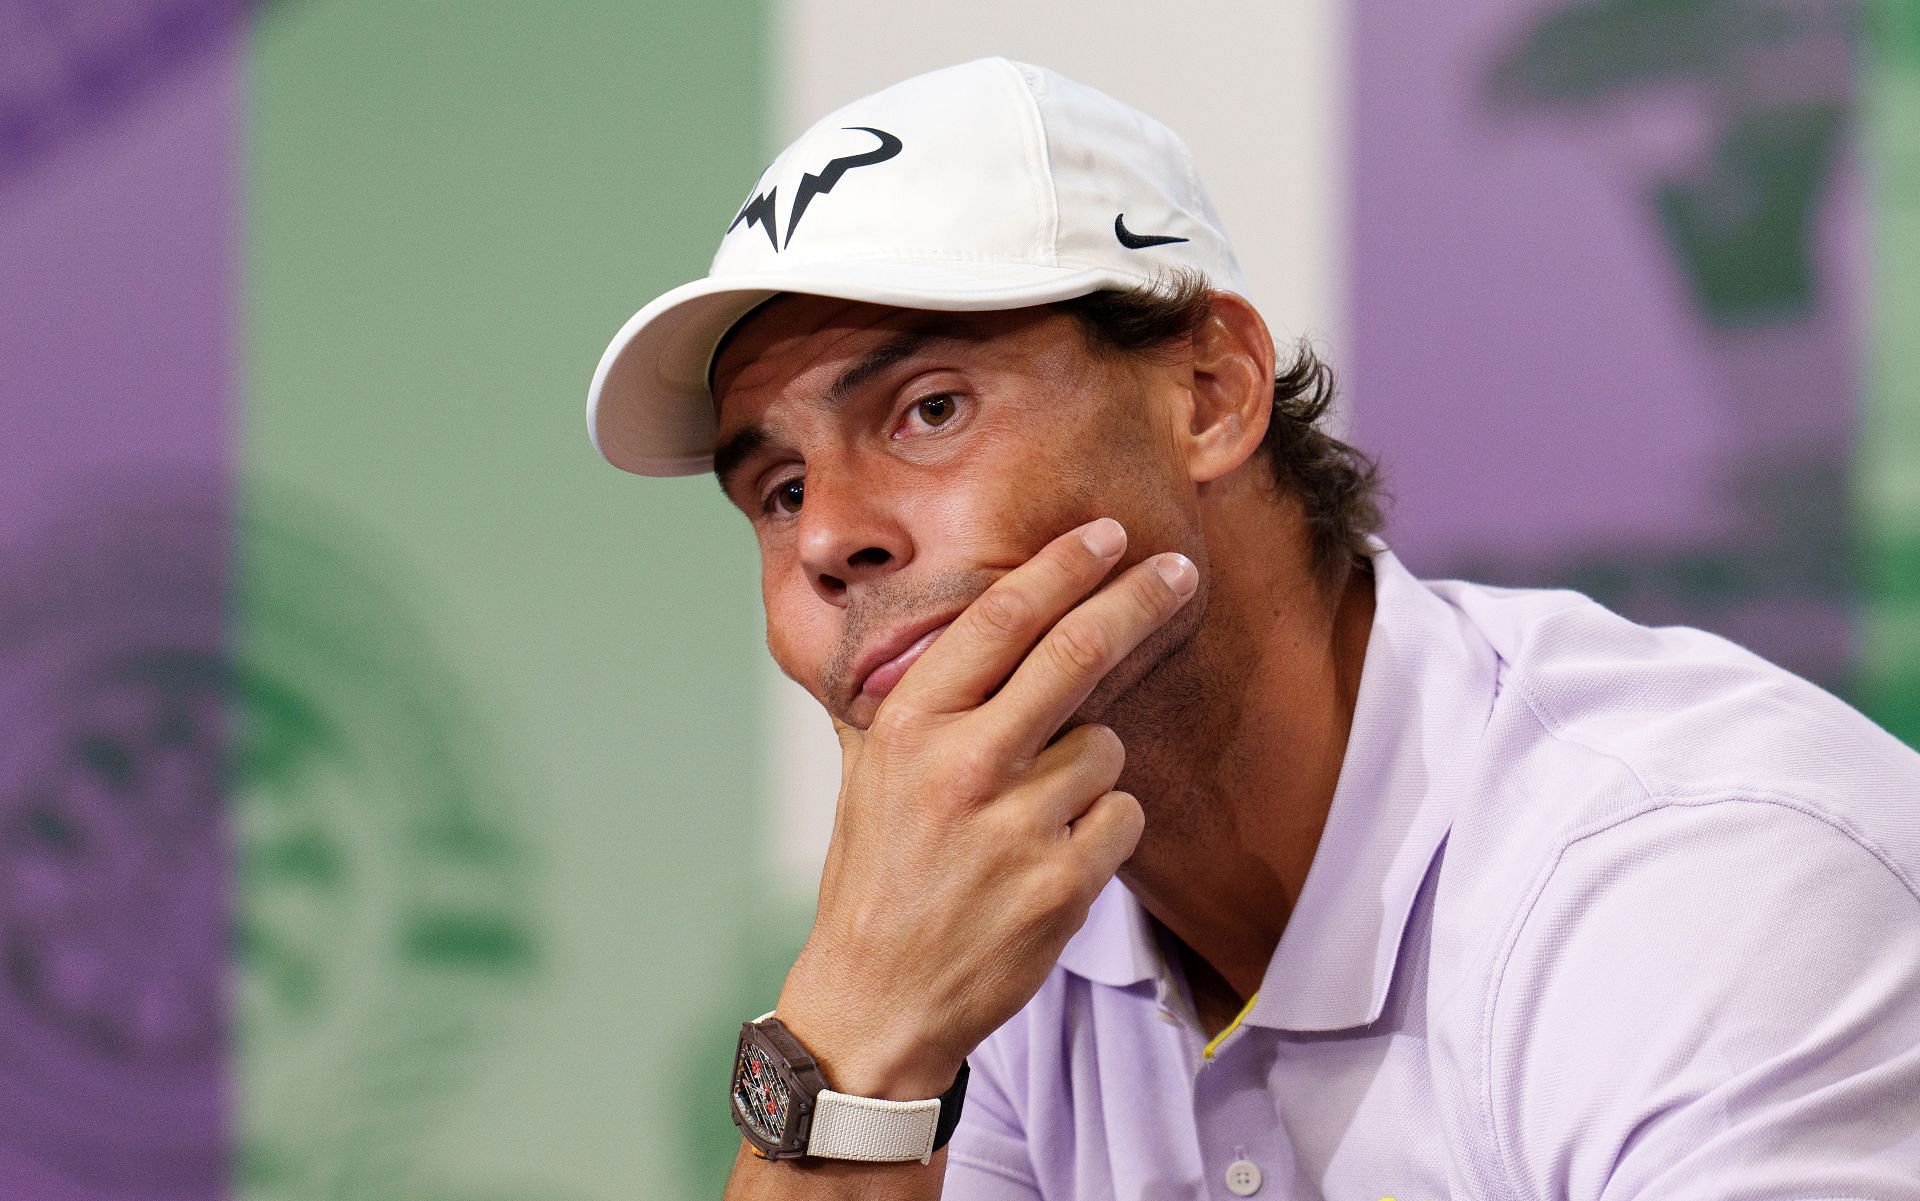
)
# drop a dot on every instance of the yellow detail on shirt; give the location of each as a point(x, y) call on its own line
point(1231, 1027)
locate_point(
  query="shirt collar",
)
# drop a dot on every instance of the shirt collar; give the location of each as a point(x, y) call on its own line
point(1115, 945)
point(1426, 689)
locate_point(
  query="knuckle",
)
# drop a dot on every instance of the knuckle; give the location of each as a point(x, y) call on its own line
point(1079, 646)
point(1002, 611)
point(1154, 598)
point(1097, 755)
point(1130, 819)
point(971, 772)
point(1058, 890)
point(1030, 823)
point(895, 723)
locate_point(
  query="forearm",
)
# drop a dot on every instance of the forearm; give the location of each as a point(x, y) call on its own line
point(970, 837)
point(756, 1179)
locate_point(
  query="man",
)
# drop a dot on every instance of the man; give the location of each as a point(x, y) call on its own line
point(1231, 858)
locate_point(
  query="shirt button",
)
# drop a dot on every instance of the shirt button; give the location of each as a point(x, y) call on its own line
point(1243, 1178)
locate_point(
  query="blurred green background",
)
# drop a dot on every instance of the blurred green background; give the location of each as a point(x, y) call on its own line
point(450, 209)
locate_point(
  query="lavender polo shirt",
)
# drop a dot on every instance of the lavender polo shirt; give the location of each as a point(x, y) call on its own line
point(1599, 911)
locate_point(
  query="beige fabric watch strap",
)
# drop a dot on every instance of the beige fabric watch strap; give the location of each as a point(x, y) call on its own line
point(872, 1129)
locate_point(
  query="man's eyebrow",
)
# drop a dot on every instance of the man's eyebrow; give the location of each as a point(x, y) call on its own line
point(894, 350)
point(729, 455)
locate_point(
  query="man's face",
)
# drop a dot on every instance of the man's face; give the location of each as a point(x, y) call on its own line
point(895, 462)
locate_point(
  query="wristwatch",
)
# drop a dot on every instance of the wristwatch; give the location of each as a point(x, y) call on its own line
point(782, 1104)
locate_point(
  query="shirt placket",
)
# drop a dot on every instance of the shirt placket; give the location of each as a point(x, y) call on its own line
point(1244, 1151)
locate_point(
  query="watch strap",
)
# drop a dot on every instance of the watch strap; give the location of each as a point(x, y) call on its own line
point(950, 1103)
point(872, 1129)
point(826, 1124)
point(876, 1130)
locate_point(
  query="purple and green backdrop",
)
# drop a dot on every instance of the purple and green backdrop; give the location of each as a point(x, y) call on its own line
point(372, 756)
point(395, 802)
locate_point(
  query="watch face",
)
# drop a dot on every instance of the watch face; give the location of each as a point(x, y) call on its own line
point(760, 1093)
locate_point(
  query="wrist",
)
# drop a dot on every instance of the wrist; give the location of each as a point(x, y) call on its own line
point(866, 1058)
point(787, 1109)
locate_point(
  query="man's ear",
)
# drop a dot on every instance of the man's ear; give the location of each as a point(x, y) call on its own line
point(1233, 360)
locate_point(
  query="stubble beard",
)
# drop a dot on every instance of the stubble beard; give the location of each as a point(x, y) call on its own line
point(887, 604)
point(1175, 718)
point(1149, 689)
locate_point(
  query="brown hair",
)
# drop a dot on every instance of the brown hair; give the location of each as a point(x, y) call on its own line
point(1338, 486)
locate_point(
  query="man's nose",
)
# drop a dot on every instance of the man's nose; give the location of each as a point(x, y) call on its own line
point(849, 535)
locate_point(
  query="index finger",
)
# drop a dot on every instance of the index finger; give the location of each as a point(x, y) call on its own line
point(992, 635)
point(1087, 644)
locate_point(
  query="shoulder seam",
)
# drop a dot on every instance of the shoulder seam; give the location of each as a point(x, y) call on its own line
point(1550, 723)
point(1652, 804)
point(1756, 796)
point(1659, 797)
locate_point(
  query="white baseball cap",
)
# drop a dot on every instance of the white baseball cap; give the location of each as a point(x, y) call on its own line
point(988, 185)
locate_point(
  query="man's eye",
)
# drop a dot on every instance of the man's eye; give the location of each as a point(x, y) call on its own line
point(935, 411)
point(787, 496)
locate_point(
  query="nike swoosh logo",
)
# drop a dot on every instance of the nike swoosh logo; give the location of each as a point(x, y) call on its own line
point(1134, 241)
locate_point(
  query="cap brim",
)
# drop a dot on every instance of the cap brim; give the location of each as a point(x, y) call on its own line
point(649, 410)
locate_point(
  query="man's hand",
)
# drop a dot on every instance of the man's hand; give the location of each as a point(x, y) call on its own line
point(969, 842)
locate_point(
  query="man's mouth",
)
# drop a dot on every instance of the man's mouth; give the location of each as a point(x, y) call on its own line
point(892, 657)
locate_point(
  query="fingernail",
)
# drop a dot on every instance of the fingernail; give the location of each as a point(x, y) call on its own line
point(1179, 573)
point(1105, 538)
